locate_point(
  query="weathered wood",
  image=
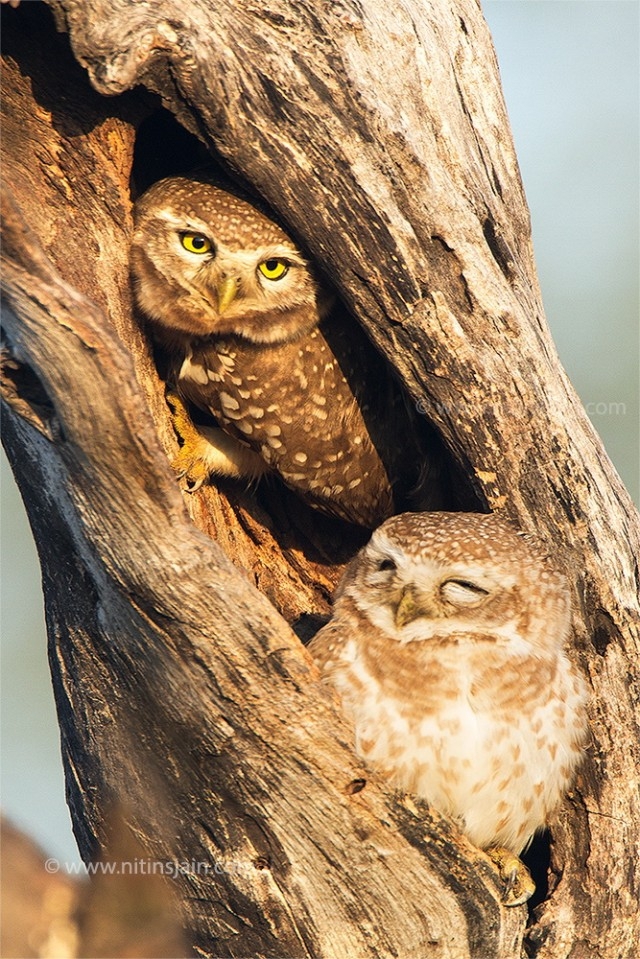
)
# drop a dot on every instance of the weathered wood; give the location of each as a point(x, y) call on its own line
point(378, 134)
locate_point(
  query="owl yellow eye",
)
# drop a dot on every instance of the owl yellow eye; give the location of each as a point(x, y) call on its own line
point(274, 269)
point(195, 242)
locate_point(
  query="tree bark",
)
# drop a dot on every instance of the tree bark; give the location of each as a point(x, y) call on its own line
point(378, 134)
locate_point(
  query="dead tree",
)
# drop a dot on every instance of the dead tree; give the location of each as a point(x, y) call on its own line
point(378, 133)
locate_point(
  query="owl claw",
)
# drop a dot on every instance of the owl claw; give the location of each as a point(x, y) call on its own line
point(190, 483)
point(208, 451)
point(190, 463)
point(189, 469)
point(518, 884)
point(192, 486)
point(182, 422)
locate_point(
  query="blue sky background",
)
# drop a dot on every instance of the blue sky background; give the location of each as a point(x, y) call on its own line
point(570, 72)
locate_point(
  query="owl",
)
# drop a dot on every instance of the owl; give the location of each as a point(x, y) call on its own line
point(288, 385)
point(446, 649)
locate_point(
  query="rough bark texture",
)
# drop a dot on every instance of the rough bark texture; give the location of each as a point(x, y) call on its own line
point(378, 134)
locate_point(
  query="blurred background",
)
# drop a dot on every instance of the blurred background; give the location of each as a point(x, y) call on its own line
point(570, 71)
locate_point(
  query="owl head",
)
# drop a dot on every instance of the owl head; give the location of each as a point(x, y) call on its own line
point(441, 577)
point(206, 262)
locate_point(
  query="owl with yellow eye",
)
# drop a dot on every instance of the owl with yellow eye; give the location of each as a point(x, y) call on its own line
point(292, 385)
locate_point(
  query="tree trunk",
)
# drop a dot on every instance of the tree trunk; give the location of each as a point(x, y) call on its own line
point(378, 134)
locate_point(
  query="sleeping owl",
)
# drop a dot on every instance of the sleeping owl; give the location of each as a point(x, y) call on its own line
point(292, 385)
point(447, 649)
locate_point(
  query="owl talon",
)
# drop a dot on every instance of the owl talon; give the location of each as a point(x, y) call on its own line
point(208, 451)
point(190, 468)
point(518, 884)
point(182, 422)
point(189, 483)
point(190, 464)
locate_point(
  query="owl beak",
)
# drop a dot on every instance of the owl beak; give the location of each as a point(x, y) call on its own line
point(227, 291)
point(408, 608)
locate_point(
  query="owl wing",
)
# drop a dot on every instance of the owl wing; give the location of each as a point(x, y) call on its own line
point(294, 407)
point(324, 646)
point(413, 455)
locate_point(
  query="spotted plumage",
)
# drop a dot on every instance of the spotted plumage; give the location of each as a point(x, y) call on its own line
point(295, 388)
point(446, 648)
